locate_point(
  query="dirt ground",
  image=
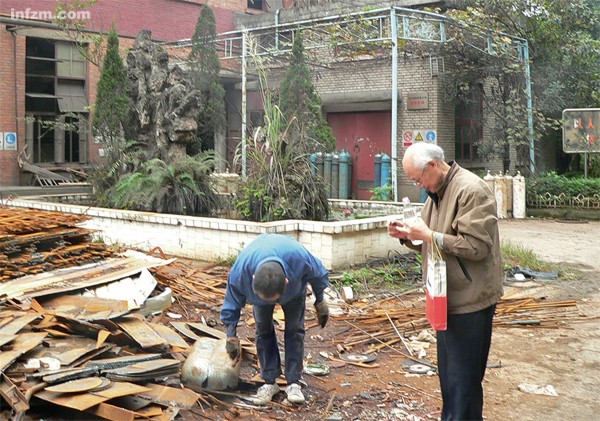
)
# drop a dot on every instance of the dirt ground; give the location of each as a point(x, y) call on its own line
point(567, 358)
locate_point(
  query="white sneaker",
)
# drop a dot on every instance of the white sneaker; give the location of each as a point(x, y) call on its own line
point(294, 393)
point(265, 393)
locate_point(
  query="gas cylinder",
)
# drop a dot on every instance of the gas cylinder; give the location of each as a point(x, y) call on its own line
point(386, 167)
point(335, 175)
point(313, 163)
point(519, 196)
point(377, 179)
point(327, 173)
point(320, 164)
point(344, 187)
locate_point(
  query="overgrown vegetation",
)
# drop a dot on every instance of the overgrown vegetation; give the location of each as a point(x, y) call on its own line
point(279, 183)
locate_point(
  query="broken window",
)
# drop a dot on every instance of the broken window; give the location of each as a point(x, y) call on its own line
point(55, 101)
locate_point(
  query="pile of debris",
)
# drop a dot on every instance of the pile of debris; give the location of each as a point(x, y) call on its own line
point(78, 324)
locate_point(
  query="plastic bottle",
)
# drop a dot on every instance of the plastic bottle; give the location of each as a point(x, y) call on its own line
point(410, 214)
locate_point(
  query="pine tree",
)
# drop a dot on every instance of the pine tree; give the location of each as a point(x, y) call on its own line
point(300, 101)
point(112, 102)
point(204, 62)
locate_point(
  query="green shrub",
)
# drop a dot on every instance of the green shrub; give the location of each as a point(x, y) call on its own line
point(556, 184)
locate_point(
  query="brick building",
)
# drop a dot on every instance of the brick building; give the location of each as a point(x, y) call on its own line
point(371, 109)
point(44, 75)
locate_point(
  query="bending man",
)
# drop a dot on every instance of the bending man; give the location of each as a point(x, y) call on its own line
point(275, 269)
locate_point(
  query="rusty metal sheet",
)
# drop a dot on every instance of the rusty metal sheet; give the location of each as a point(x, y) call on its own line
point(79, 385)
point(215, 333)
point(170, 396)
point(183, 328)
point(169, 335)
point(117, 362)
point(12, 395)
point(79, 277)
point(66, 350)
point(22, 344)
point(18, 323)
point(144, 371)
point(83, 401)
point(4, 339)
point(112, 412)
point(141, 332)
point(86, 308)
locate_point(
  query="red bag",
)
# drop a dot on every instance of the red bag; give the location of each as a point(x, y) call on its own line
point(436, 301)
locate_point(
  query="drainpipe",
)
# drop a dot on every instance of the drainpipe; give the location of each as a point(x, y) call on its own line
point(529, 107)
point(277, 28)
point(15, 87)
point(394, 140)
point(244, 47)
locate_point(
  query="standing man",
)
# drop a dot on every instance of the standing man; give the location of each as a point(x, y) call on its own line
point(461, 217)
point(275, 269)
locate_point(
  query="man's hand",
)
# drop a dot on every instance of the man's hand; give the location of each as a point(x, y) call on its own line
point(232, 346)
point(322, 312)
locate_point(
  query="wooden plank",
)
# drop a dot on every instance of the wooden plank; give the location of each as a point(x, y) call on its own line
point(141, 332)
point(4, 339)
point(84, 401)
point(170, 396)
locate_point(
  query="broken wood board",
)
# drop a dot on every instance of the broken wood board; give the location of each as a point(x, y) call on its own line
point(74, 278)
point(23, 343)
point(83, 401)
point(85, 308)
point(141, 332)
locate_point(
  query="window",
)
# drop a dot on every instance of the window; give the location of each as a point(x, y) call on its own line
point(468, 126)
point(256, 4)
point(55, 101)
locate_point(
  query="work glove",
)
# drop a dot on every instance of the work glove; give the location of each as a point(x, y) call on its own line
point(322, 312)
point(232, 346)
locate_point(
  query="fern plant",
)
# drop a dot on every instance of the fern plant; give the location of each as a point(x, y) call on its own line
point(182, 187)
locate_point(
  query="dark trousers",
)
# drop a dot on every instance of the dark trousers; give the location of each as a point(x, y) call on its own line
point(462, 357)
point(266, 341)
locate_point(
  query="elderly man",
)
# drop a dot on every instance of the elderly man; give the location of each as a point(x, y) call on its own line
point(275, 269)
point(460, 216)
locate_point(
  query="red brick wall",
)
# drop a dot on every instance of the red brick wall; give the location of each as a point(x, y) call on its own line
point(9, 121)
point(167, 19)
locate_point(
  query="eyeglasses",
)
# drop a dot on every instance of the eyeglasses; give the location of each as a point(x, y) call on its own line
point(419, 181)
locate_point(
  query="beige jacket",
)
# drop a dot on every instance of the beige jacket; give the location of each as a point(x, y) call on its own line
point(466, 214)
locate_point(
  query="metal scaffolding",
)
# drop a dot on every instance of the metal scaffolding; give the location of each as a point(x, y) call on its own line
point(384, 27)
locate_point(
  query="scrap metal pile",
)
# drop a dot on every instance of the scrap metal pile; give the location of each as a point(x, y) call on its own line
point(85, 328)
point(77, 327)
point(37, 241)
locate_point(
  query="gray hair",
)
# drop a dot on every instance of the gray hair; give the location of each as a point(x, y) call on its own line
point(423, 152)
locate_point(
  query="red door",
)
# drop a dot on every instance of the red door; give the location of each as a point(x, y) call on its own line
point(364, 135)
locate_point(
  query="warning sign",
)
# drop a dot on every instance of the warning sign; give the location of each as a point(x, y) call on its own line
point(419, 137)
point(407, 137)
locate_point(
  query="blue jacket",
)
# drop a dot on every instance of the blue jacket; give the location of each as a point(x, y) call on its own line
point(299, 265)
